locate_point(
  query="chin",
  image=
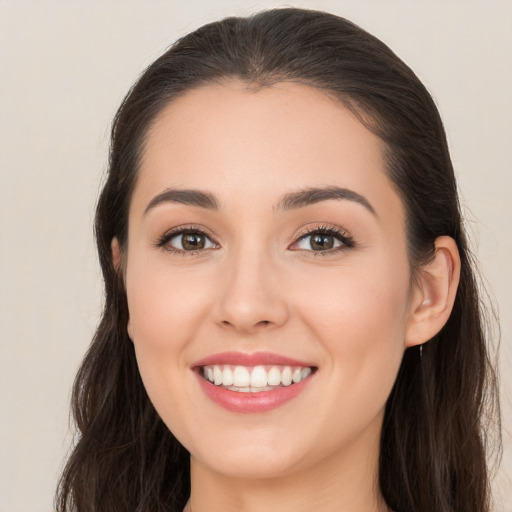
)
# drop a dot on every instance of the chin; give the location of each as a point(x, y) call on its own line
point(248, 453)
point(250, 464)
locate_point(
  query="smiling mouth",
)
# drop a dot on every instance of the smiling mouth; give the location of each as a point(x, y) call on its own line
point(255, 379)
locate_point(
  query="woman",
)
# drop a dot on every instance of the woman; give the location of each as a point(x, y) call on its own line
point(291, 318)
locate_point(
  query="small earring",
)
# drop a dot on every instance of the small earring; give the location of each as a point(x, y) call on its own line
point(421, 351)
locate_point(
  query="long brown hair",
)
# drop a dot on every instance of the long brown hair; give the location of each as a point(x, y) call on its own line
point(433, 447)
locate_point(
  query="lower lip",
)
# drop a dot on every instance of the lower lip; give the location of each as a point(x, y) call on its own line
point(260, 401)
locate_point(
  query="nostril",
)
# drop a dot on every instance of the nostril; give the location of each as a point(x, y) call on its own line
point(249, 326)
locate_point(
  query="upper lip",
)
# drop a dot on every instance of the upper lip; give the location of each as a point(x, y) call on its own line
point(254, 359)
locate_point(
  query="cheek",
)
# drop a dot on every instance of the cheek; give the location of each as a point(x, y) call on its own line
point(164, 311)
point(364, 314)
point(169, 308)
point(163, 305)
point(360, 318)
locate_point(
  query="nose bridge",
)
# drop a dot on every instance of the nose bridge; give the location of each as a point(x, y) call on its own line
point(251, 298)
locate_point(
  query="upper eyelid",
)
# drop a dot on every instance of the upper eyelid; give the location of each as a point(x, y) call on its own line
point(330, 230)
point(321, 229)
point(178, 230)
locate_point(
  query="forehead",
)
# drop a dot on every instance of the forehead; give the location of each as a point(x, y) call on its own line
point(253, 144)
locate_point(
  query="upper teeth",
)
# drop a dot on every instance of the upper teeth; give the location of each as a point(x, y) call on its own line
point(256, 378)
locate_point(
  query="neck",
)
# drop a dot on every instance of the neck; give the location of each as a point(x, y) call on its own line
point(343, 482)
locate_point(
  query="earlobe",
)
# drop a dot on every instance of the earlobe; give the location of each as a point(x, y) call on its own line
point(434, 293)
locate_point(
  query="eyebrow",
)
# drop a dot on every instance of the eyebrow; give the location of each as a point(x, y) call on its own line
point(290, 201)
point(314, 195)
point(184, 196)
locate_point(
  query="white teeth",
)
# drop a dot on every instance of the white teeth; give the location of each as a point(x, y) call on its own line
point(286, 376)
point(260, 378)
point(274, 376)
point(250, 389)
point(217, 376)
point(227, 376)
point(305, 373)
point(241, 377)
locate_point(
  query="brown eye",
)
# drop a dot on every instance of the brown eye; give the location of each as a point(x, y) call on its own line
point(192, 241)
point(324, 240)
point(187, 241)
point(321, 242)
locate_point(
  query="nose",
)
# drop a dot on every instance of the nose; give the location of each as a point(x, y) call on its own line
point(252, 298)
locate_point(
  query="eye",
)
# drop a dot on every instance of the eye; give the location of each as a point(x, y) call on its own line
point(323, 239)
point(186, 240)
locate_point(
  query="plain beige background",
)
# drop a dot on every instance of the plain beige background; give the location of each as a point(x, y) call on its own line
point(65, 66)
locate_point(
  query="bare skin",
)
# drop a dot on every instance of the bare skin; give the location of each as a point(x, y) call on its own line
point(258, 282)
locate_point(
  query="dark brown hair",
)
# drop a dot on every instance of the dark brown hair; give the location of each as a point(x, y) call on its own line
point(433, 446)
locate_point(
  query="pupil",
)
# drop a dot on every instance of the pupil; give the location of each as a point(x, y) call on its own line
point(319, 242)
point(193, 241)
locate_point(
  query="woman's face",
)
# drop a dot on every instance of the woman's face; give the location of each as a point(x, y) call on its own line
point(267, 243)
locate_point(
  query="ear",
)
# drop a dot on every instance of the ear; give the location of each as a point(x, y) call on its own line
point(434, 293)
point(116, 261)
point(129, 330)
point(116, 253)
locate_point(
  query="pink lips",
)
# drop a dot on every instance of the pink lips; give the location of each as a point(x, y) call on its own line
point(256, 359)
point(261, 401)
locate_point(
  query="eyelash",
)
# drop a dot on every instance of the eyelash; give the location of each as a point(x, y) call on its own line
point(347, 242)
point(164, 240)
